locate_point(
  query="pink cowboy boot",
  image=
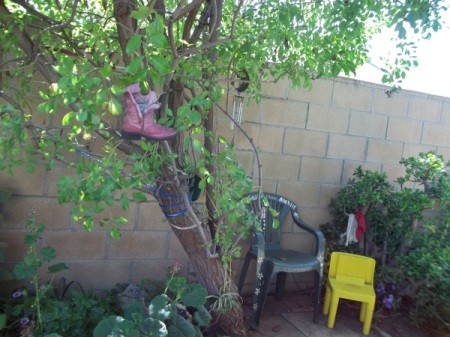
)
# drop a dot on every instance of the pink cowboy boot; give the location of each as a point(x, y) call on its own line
point(139, 120)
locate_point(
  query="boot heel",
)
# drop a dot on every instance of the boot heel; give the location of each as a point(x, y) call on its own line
point(130, 136)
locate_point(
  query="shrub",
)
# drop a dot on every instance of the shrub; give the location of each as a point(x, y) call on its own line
point(412, 250)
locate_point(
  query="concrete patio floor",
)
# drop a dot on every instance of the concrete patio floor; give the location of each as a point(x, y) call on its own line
point(292, 317)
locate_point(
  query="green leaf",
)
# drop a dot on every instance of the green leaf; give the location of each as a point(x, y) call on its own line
point(108, 327)
point(23, 271)
point(56, 268)
point(115, 233)
point(141, 13)
point(134, 65)
point(202, 316)
point(139, 197)
point(133, 44)
point(153, 328)
point(159, 307)
point(181, 328)
point(158, 40)
point(161, 65)
point(124, 202)
point(135, 308)
point(195, 117)
point(48, 253)
point(176, 284)
point(195, 296)
point(68, 117)
point(2, 321)
point(114, 106)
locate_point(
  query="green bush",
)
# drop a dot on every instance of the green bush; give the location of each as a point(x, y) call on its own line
point(411, 249)
point(41, 308)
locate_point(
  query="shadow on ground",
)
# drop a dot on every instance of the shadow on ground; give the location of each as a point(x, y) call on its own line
point(293, 317)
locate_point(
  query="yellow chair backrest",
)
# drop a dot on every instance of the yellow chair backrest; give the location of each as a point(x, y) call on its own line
point(352, 268)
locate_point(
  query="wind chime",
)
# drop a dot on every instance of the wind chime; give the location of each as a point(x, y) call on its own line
point(238, 99)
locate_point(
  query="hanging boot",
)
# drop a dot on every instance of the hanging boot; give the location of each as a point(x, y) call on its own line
point(139, 120)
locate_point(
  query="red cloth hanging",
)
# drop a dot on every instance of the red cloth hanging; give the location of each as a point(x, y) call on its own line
point(361, 221)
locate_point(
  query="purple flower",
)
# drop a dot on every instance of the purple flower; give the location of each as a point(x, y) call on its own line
point(24, 321)
point(381, 290)
point(17, 294)
point(388, 301)
point(394, 286)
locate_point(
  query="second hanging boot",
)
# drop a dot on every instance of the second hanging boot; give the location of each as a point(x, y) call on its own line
point(139, 121)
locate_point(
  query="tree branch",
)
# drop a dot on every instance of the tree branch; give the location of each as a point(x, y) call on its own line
point(180, 12)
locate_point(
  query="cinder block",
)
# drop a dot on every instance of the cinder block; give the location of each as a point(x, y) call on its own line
point(404, 130)
point(277, 89)
point(352, 95)
point(347, 147)
point(384, 151)
point(284, 113)
point(18, 210)
point(299, 240)
point(77, 245)
point(303, 195)
point(445, 118)
point(436, 134)
point(350, 167)
point(139, 245)
point(52, 177)
point(275, 166)
point(316, 216)
point(424, 109)
point(151, 217)
point(267, 138)
point(321, 92)
point(305, 142)
point(396, 105)
point(328, 118)
point(444, 151)
point(321, 170)
point(413, 150)
point(153, 271)
point(251, 111)
point(15, 248)
point(246, 159)
point(394, 171)
point(267, 185)
point(326, 193)
point(367, 124)
point(101, 275)
point(24, 183)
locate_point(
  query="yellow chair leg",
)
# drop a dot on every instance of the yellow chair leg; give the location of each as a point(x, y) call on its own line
point(332, 313)
point(327, 301)
point(368, 318)
point(362, 312)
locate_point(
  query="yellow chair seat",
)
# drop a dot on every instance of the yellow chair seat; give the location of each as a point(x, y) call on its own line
point(350, 277)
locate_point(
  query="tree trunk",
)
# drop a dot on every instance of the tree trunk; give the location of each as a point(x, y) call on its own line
point(192, 233)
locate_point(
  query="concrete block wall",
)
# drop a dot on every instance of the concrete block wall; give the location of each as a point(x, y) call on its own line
point(310, 143)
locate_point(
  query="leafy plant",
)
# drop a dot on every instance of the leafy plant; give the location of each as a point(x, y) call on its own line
point(178, 311)
point(46, 309)
point(413, 251)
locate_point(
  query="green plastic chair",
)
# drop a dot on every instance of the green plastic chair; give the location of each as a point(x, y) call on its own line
point(272, 259)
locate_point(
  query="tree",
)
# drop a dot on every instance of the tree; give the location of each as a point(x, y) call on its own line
point(192, 52)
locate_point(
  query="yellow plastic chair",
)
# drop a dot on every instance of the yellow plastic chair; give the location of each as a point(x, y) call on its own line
point(350, 277)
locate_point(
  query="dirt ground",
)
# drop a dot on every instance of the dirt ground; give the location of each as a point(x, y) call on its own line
point(391, 325)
